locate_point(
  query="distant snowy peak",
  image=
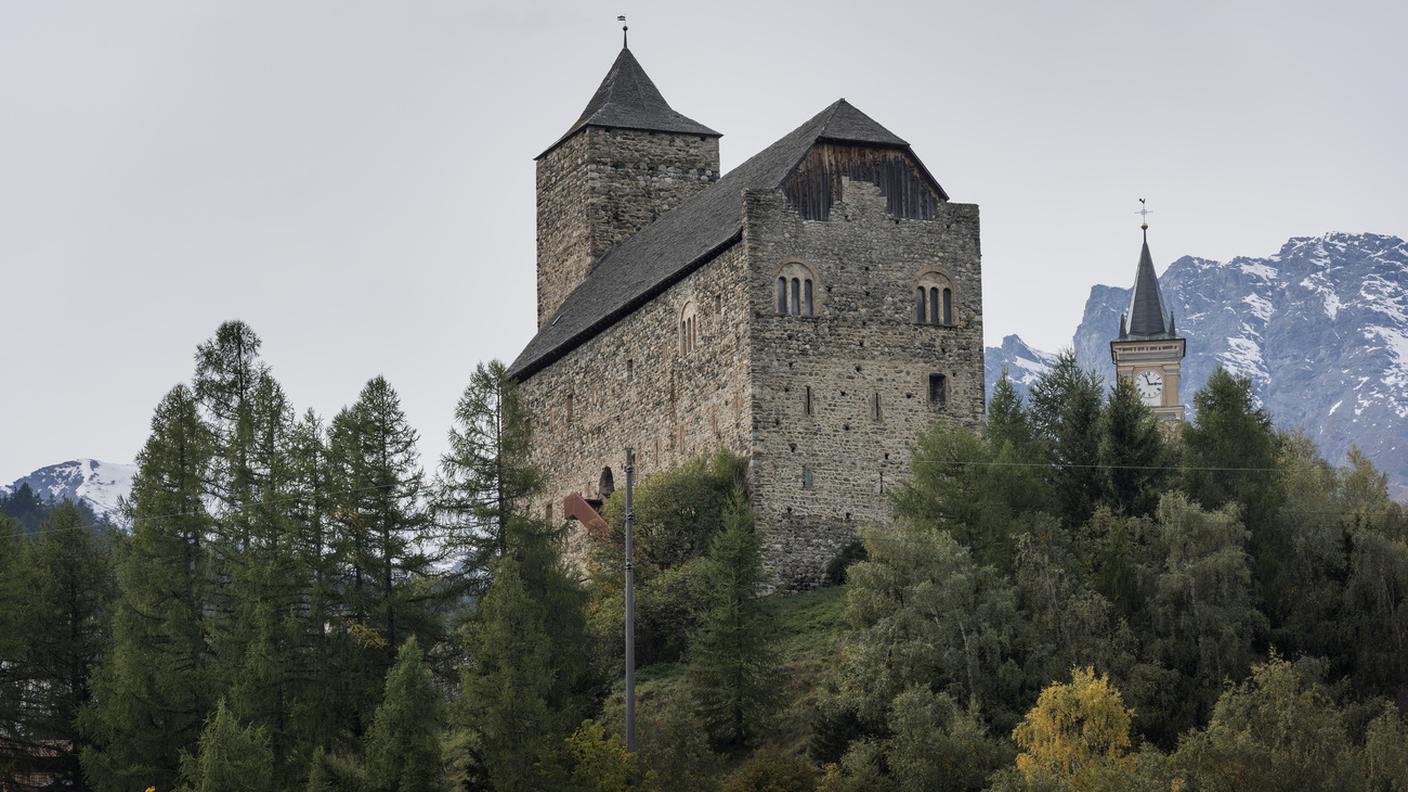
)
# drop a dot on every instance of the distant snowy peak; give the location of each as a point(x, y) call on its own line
point(1023, 364)
point(101, 485)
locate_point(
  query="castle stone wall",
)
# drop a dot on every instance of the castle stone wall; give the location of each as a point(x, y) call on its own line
point(601, 186)
point(862, 342)
point(633, 384)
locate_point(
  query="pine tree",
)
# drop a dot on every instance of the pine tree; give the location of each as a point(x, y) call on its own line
point(733, 666)
point(63, 589)
point(229, 757)
point(381, 536)
point(1066, 413)
point(1132, 451)
point(403, 745)
point(1007, 420)
point(508, 686)
point(485, 477)
point(155, 685)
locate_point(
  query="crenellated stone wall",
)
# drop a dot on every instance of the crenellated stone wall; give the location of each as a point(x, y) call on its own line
point(599, 187)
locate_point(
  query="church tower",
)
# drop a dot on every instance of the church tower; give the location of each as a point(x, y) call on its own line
point(1148, 350)
point(627, 160)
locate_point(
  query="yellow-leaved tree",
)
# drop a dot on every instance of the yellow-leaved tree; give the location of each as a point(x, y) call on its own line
point(1077, 735)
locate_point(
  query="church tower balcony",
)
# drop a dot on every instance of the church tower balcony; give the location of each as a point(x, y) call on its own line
point(627, 160)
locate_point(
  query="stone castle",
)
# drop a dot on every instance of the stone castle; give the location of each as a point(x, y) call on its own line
point(815, 309)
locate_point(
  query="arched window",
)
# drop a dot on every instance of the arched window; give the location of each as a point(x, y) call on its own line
point(689, 328)
point(796, 290)
point(933, 300)
point(607, 484)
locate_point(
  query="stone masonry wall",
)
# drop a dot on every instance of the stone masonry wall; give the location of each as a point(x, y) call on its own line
point(862, 342)
point(634, 385)
point(601, 186)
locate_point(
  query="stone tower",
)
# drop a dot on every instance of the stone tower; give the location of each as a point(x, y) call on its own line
point(1148, 350)
point(627, 160)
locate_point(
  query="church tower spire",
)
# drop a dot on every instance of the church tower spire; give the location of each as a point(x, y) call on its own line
point(627, 159)
point(1147, 350)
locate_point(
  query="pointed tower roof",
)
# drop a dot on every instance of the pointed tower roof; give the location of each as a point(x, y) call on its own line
point(1147, 318)
point(627, 99)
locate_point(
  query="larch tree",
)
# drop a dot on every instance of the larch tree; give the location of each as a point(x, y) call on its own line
point(229, 757)
point(155, 685)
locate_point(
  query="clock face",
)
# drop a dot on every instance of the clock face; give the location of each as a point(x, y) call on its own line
point(1150, 385)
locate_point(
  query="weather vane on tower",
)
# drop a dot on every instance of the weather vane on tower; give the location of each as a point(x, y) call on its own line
point(1144, 212)
point(622, 19)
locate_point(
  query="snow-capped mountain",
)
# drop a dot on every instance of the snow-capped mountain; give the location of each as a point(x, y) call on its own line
point(1320, 328)
point(98, 484)
point(1023, 363)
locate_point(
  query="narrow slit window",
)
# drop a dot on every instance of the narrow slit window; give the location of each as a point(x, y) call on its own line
point(781, 296)
point(948, 306)
point(919, 304)
point(806, 477)
point(796, 296)
point(807, 297)
point(876, 406)
point(934, 305)
point(569, 409)
point(807, 400)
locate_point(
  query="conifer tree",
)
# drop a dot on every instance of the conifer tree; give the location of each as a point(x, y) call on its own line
point(381, 536)
point(64, 587)
point(1132, 451)
point(508, 685)
point(733, 667)
point(403, 745)
point(156, 683)
point(1066, 413)
point(229, 757)
point(1007, 420)
point(485, 477)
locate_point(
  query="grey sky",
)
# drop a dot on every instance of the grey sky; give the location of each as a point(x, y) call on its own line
point(355, 179)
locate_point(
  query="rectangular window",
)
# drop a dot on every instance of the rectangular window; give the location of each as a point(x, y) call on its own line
point(807, 297)
point(796, 305)
point(781, 296)
point(806, 477)
point(934, 316)
point(807, 401)
point(919, 304)
point(938, 390)
point(948, 306)
point(876, 407)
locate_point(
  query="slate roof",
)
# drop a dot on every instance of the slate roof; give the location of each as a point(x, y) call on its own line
point(627, 99)
point(1146, 305)
point(686, 238)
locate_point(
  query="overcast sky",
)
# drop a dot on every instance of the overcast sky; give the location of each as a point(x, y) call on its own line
point(355, 179)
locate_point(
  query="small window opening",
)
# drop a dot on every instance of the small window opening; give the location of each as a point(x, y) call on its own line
point(938, 390)
point(934, 304)
point(948, 306)
point(606, 484)
point(806, 477)
point(807, 297)
point(807, 401)
point(919, 312)
point(781, 296)
point(876, 406)
point(796, 296)
point(569, 409)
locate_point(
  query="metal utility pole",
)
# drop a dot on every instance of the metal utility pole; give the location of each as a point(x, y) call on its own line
point(630, 608)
